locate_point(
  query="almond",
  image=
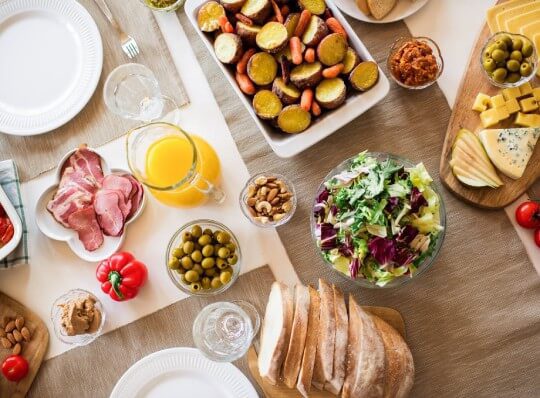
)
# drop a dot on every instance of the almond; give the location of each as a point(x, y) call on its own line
point(17, 349)
point(2, 333)
point(17, 335)
point(19, 323)
point(11, 338)
point(10, 326)
point(26, 333)
point(5, 342)
point(272, 194)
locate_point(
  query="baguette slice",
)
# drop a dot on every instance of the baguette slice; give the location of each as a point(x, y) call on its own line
point(291, 366)
point(399, 361)
point(276, 332)
point(365, 357)
point(324, 359)
point(380, 8)
point(310, 350)
point(340, 347)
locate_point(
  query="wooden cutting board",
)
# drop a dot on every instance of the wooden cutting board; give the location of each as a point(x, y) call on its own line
point(391, 316)
point(473, 83)
point(33, 351)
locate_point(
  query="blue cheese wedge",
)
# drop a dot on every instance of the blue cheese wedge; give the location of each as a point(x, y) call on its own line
point(510, 149)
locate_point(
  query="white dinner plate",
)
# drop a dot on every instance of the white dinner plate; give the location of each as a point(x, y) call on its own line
point(51, 57)
point(182, 372)
point(403, 9)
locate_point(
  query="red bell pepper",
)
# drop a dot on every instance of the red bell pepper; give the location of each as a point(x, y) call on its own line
point(121, 276)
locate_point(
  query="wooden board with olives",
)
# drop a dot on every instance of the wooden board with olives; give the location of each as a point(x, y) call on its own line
point(204, 258)
point(508, 59)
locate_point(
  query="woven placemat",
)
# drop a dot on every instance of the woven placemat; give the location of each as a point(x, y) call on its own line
point(95, 125)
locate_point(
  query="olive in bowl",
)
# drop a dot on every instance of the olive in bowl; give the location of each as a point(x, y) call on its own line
point(203, 258)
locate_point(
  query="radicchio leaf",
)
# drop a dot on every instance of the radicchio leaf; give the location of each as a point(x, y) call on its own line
point(382, 249)
point(392, 204)
point(417, 200)
point(407, 234)
point(354, 265)
point(328, 236)
point(323, 195)
point(404, 256)
point(347, 248)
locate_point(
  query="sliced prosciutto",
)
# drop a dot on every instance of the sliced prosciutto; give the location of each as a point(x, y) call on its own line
point(67, 201)
point(110, 216)
point(85, 223)
point(88, 162)
point(136, 195)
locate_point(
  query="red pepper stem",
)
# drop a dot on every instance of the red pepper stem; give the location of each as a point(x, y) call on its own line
point(115, 278)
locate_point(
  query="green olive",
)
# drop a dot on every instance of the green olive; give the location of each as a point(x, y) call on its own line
point(525, 69)
point(174, 263)
point(489, 49)
point(231, 246)
point(178, 252)
point(208, 232)
point(205, 240)
point(508, 40)
point(195, 286)
point(196, 256)
point(527, 49)
point(188, 247)
point(181, 271)
point(498, 55)
point(210, 272)
point(223, 238)
point(489, 64)
point(196, 231)
point(186, 236)
point(183, 279)
point(232, 260)
point(216, 282)
point(228, 269)
point(517, 44)
point(198, 268)
point(501, 45)
point(187, 262)
point(191, 276)
point(221, 263)
point(208, 262)
point(208, 250)
point(516, 55)
point(223, 252)
point(512, 65)
point(225, 277)
point(513, 77)
point(499, 74)
point(205, 282)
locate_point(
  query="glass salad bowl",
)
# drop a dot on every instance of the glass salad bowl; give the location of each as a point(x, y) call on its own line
point(407, 254)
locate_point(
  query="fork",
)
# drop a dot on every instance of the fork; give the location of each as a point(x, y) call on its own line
point(128, 43)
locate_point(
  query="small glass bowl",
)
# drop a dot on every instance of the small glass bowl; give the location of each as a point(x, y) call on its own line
point(436, 52)
point(533, 60)
point(173, 7)
point(402, 280)
point(174, 243)
point(56, 318)
point(245, 208)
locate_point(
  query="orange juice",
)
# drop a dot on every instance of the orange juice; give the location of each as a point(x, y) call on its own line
point(169, 160)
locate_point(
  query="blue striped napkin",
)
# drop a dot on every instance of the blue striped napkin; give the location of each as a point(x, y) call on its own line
point(9, 180)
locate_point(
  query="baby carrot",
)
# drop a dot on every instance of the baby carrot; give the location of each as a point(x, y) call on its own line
point(296, 50)
point(333, 71)
point(307, 99)
point(309, 55)
point(241, 66)
point(334, 25)
point(245, 84)
point(222, 20)
point(303, 21)
point(315, 108)
point(228, 27)
point(245, 20)
point(277, 11)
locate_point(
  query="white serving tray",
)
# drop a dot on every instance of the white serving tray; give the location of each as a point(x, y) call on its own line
point(287, 145)
point(17, 225)
point(51, 228)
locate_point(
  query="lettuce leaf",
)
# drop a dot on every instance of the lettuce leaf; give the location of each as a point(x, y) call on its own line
point(419, 176)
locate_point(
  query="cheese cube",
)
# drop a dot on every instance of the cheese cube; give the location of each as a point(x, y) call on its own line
point(502, 112)
point(497, 101)
point(528, 104)
point(525, 89)
point(511, 92)
point(512, 106)
point(536, 94)
point(481, 103)
point(489, 118)
point(527, 120)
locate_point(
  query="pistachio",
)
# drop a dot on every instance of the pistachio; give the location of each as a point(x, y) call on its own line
point(17, 349)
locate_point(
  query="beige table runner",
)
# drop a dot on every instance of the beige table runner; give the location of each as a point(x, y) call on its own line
point(95, 125)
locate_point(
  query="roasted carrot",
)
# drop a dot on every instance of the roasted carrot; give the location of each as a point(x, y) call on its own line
point(285, 69)
point(277, 11)
point(303, 21)
point(241, 66)
point(296, 50)
point(309, 55)
point(245, 84)
point(229, 28)
point(334, 25)
point(285, 11)
point(307, 99)
point(222, 20)
point(245, 20)
point(315, 108)
point(333, 71)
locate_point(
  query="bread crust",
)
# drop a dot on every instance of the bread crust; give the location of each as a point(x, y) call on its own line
point(340, 346)
point(324, 359)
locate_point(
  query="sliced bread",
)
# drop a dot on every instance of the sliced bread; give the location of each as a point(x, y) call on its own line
point(363, 6)
point(365, 375)
point(310, 350)
point(324, 359)
point(399, 361)
point(276, 331)
point(291, 366)
point(340, 347)
point(381, 8)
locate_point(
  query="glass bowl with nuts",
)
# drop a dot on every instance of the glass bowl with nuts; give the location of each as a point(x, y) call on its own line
point(268, 200)
point(203, 258)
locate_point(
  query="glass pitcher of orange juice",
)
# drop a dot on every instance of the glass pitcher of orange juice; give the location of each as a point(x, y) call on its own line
point(178, 168)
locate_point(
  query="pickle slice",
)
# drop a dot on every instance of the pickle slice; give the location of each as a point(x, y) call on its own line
point(364, 76)
point(208, 16)
point(267, 104)
point(293, 119)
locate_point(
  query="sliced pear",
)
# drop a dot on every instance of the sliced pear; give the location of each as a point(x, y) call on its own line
point(467, 162)
point(468, 179)
point(475, 144)
point(460, 168)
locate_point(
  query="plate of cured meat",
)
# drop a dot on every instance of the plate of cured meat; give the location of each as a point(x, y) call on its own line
point(90, 205)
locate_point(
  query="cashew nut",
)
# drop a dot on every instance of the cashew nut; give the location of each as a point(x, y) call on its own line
point(261, 180)
point(263, 206)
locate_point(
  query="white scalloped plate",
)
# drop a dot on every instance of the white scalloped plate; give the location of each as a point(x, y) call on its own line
point(402, 10)
point(182, 372)
point(56, 231)
point(50, 63)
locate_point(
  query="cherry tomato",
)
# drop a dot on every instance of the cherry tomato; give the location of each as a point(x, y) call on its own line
point(15, 368)
point(528, 214)
point(537, 237)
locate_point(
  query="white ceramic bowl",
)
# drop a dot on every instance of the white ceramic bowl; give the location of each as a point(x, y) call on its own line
point(287, 145)
point(54, 230)
point(17, 225)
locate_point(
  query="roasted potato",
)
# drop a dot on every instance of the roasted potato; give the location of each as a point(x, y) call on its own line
point(315, 31)
point(228, 48)
point(316, 7)
point(273, 37)
point(233, 6)
point(287, 93)
point(291, 22)
point(293, 119)
point(208, 16)
point(364, 76)
point(350, 61)
point(257, 10)
point(267, 104)
point(262, 68)
point(247, 33)
point(332, 49)
point(331, 93)
point(306, 75)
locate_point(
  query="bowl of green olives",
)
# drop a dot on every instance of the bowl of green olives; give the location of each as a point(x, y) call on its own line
point(203, 258)
point(509, 59)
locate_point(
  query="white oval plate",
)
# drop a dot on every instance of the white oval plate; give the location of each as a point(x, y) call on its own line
point(403, 9)
point(50, 65)
point(17, 225)
point(182, 372)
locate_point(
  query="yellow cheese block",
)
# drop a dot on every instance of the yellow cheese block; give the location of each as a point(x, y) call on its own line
point(536, 41)
point(504, 16)
point(482, 102)
point(497, 101)
point(511, 92)
point(513, 25)
point(527, 120)
point(528, 104)
point(526, 89)
point(489, 117)
point(495, 10)
point(536, 93)
point(512, 106)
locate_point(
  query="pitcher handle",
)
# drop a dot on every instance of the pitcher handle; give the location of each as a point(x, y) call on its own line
point(215, 193)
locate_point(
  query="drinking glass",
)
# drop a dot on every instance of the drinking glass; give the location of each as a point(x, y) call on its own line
point(178, 168)
point(224, 331)
point(132, 92)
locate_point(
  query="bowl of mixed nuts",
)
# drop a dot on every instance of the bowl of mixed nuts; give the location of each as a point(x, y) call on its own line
point(268, 200)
